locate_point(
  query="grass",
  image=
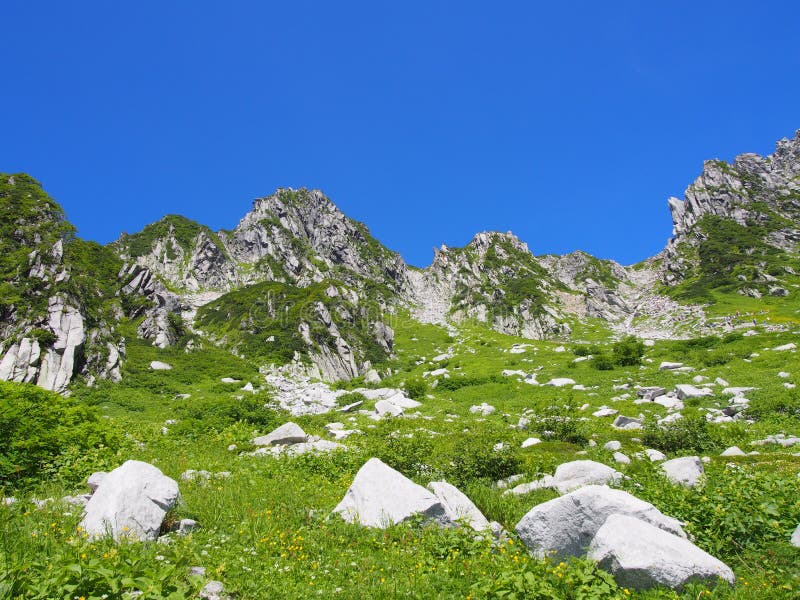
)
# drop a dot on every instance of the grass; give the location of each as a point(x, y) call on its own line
point(265, 531)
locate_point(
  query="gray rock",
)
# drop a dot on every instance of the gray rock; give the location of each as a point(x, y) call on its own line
point(458, 506)
point(684, 391)
point(795, 541)
point(380, 496)
point(566, 525)
point(288, 433)
point(686, 471)
point(655, 455)
point(95, 479)
point(130, 503)
point(572, 475)
point(641, 555)
point(622, 422)
point(157, 365)
point(733, 451)
point(612, 446)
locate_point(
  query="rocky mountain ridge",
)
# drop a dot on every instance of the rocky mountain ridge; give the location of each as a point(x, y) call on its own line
point(297, 280)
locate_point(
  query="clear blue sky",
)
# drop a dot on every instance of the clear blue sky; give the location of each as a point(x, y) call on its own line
point(569, 125)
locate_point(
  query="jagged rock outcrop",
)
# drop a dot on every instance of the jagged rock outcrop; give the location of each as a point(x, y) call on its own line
point(494, 280)
point(753, 191)
point(56, 317)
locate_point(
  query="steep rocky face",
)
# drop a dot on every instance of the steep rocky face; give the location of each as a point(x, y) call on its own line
point(494, 280)
point(293, 236)
point(337, 332)
point(759, 194)
point(56, 304)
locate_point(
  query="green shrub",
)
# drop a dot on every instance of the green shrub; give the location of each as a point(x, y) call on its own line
point(416, 388)
point(38, 428)
point(196, 416)
point(628, 351)
point(737, 508)
point(474, 458)
point(409, 455)
point(562, 422)
point(602, 362)
point(350, 398)
point(692, 433)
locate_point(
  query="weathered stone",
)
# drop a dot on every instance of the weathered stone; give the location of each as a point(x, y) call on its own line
point(566, 525)
point(685, 471)
point(130, 502)
point(380, 496)
point(641, 555)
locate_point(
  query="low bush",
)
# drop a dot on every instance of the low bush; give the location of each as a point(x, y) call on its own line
point(201, 415)
point(628, 351)
point(692, 433)
point(40, 429)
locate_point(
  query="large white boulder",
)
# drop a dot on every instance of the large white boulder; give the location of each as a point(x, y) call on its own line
point(380, 496)
point(566, 525)
point(572, 475)
point(641, 556)
point(686, 470)
point(130, 502)
point(288, 433)
point(458, 506)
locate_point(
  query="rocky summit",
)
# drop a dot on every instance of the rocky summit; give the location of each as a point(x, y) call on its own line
point(289, 410)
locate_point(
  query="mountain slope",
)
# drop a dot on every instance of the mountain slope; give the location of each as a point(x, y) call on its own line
point(738, 227)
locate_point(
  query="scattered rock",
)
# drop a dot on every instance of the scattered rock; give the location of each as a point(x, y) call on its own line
point(684, 390)
point(457, 506)
point(531, 442)
point(621, 458)
point(612, 446)
point(733, 451)
point(641, 555)
point(669, 366)
point(483, 408)
point(622, 422)
point(157, 365)
point(380, 496)
point(566, 525)
point(560, 382)
point(130, 503)
point(655, 455)
point(288, 433)
point(578, 473)
point(685, 471)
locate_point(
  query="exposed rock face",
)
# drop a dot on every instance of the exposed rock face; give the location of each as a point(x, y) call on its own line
point(130, 502)
point(494, 279)
point(753, 189)
point(641, 555)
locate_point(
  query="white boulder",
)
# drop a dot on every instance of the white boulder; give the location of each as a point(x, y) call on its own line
point(157, 365)
point(685, 471)
point(457, 506)
point(578, 473)
point(566, 525)
point(641, 555)
point(380, 496)
point(288, 433)
point(130, 502)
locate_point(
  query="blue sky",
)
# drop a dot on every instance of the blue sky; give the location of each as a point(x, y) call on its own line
point(429, 121)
